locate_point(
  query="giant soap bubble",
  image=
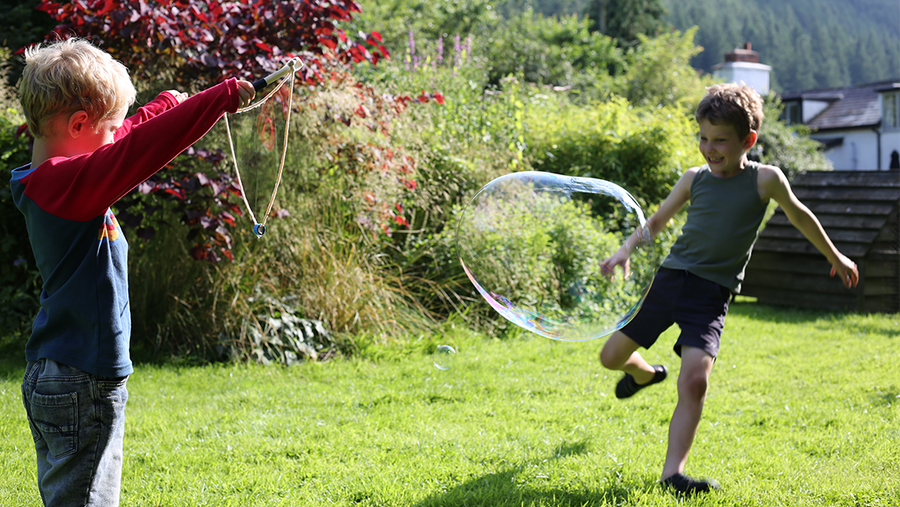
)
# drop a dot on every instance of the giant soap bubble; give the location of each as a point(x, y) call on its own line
point(532, 243)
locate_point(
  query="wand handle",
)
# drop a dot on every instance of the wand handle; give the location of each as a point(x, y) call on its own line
point(292, 66)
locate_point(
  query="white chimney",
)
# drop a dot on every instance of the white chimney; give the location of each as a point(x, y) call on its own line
point(742, 65)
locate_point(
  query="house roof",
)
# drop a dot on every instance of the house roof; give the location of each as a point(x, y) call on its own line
point(851, 107)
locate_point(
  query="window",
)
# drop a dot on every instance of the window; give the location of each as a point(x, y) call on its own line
point(792, 113)
point(890, 117)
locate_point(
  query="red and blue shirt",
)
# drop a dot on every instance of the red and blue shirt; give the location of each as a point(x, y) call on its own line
point(81, 253)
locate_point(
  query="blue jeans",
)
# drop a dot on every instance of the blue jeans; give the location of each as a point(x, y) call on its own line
point(77, 421)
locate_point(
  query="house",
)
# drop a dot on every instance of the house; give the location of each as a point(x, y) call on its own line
point(858, 126)
point(858, 204)
point(742, 66)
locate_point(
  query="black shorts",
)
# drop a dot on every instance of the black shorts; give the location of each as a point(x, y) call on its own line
point(697, 305)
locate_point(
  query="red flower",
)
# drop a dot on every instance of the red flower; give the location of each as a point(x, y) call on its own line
point(439, 98)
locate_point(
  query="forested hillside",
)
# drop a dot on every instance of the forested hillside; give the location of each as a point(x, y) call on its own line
point(809, 43)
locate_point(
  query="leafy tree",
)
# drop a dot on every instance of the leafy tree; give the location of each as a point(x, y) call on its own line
point(625, 20)
point(428, 20)
point(21, 24)
point(548, 8)
point(658, 72)
point(194, 44)
point(550, 51)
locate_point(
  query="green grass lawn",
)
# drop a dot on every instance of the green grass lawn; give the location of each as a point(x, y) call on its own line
point(803, 410)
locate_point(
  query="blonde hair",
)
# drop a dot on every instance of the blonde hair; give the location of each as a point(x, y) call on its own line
point(733, 104)
point(68, 76)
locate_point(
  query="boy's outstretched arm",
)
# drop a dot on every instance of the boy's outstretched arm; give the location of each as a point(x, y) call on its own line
point(680, 194)
point(774, 185)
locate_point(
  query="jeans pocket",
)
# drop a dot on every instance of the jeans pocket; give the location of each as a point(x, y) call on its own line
point(55, 417)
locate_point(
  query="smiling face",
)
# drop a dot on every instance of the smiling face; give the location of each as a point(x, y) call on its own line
point(723, 149)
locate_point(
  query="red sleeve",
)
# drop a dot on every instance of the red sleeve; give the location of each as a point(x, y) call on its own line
point(83, 187)
point(163, 102)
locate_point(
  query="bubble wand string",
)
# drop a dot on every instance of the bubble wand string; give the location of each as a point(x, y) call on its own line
point(288, 70)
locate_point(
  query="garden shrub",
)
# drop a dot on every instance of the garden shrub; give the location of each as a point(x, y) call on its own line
point(561, 52)
point(644, 150)
point(657, 72)
point(20, 281)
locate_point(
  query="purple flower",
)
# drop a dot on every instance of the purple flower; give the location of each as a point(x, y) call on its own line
point(20, 262)
point(411, 65)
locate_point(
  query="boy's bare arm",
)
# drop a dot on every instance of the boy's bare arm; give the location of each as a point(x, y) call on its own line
point(774, 185)
point(680, 194)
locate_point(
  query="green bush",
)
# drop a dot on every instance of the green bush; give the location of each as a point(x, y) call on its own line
point(541, 248)
point(20, 282)
point(561, 52)
point(658, 72)
point(644, 150)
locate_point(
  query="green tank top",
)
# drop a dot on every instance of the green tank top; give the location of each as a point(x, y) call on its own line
point(722, 224)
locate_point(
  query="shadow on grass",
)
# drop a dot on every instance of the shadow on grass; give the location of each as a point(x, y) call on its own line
point(506, 488)
point(777, 314)
point(885, 326)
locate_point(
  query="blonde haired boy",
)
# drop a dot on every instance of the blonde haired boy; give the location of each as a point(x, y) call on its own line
point(87, 155)
point(728, 198)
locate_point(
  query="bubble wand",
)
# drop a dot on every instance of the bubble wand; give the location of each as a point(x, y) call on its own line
point(286, 72)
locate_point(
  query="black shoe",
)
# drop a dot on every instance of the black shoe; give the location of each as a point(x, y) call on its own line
point(687, 486)
point(627, 387)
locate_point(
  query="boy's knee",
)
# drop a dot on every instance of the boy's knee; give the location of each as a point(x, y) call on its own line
point(609, 359)
point(616, 351)
point(693, 385)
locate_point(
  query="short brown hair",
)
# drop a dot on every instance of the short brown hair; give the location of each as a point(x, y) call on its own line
point(732, 104)
point(68, 76)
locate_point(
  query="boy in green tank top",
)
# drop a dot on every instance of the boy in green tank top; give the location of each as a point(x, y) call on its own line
point(728, 198)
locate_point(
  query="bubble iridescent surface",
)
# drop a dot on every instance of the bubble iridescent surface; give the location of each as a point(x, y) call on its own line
point(532, 244)
point(444, 357)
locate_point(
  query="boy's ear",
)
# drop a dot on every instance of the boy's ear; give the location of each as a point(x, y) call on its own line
point(750, 140)
point(79, 122)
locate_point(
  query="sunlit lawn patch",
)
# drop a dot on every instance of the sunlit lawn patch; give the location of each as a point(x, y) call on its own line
point(803, 410)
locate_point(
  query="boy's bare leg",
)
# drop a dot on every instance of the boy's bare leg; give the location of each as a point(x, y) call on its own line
point(620, 353)
point(696, 366)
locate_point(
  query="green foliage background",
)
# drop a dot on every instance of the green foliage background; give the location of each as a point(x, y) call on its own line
point(570, 101)
point(808, 43)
